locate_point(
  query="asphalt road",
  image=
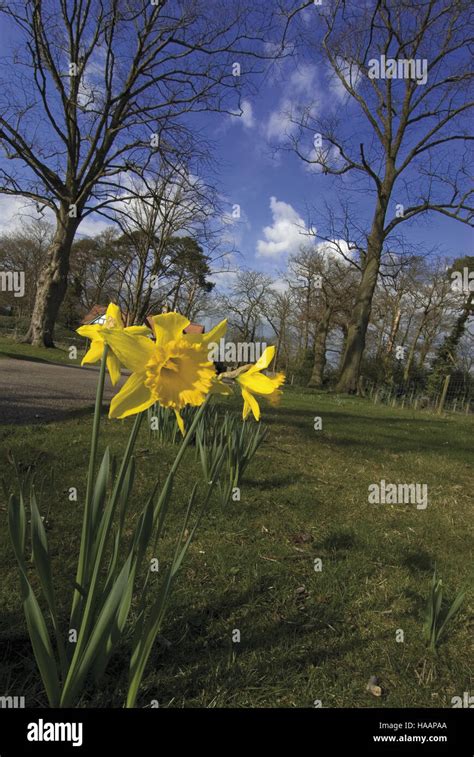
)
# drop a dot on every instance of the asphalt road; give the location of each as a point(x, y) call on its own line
point(34, 392)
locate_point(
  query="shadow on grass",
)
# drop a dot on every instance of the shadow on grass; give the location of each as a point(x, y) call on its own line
point(340, 540)
point(33, 415)
point(275, 482)
point(66, 363)
point(36, 359)
point(363, 433)
point(418, 561)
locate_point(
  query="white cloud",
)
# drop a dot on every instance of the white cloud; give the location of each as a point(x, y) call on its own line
point(244, 115)
point(15, 212)
point(226, 276)
point(286, 234)
point(92, 225)
point(280, 285)
point(279, 124)
point(337, 249)
point(299, 91)
point(350, 72)
point(329, 156)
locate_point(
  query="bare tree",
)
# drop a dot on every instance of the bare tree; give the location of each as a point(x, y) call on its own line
point(94, 267)
point(162, 227)
point(25, 250)
point(403, 129)
point(92, 89)
point(278, 308)
point(430, 300)
point(245, 302)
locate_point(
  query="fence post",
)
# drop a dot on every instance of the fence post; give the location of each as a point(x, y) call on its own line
point(443, 394)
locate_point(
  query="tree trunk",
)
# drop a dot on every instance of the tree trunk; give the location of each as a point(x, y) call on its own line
point(394, 331)
point(52, 283)
point(356, 335)
point(317, 376)
point(411, 353)
point(387, 358)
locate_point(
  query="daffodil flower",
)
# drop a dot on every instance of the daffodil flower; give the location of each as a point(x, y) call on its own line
point(253, 382)
point(174, 371)
point(113, 321)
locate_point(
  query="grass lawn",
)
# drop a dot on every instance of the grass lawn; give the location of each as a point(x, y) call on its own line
point(60, 354)
point(305, 635)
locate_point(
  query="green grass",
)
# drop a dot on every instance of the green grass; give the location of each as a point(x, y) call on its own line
point(305, 635)
point(9, 348)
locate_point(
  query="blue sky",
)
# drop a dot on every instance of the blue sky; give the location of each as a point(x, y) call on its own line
point(252, 173)
point(275, 189)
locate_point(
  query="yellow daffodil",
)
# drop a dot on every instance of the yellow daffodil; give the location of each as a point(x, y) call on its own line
point(113, 321)
point(174, 370)
point(253, 382)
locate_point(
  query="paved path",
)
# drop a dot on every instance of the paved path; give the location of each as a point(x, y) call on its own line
point(34, 392)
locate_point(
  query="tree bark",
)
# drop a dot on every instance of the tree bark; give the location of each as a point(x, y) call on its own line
point(356, 335)
point(394, 330)
point(320, 340)
point(411, 354)
point(52, 283)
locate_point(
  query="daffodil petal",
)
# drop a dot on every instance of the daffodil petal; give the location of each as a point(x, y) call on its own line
point(113, 317)
point(169, 326)
point(212, 336)
point(264, 360)
point(90, 332)
point(275, 397)
point(94, 353)
point(133, 398)
point(138, 330)
point(180, 422)
point(133, 352)
point(258, 383)
point(113, 367)
point(250, 400)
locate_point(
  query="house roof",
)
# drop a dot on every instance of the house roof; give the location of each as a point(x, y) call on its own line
point(194, 328)
point(94, 313)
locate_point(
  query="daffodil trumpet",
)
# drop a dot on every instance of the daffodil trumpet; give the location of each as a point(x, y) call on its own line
point(173, 370)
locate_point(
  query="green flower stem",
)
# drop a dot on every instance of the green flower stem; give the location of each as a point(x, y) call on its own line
point(187, 438)
point(147, 640)
point(86, 526)
point(87, 620)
